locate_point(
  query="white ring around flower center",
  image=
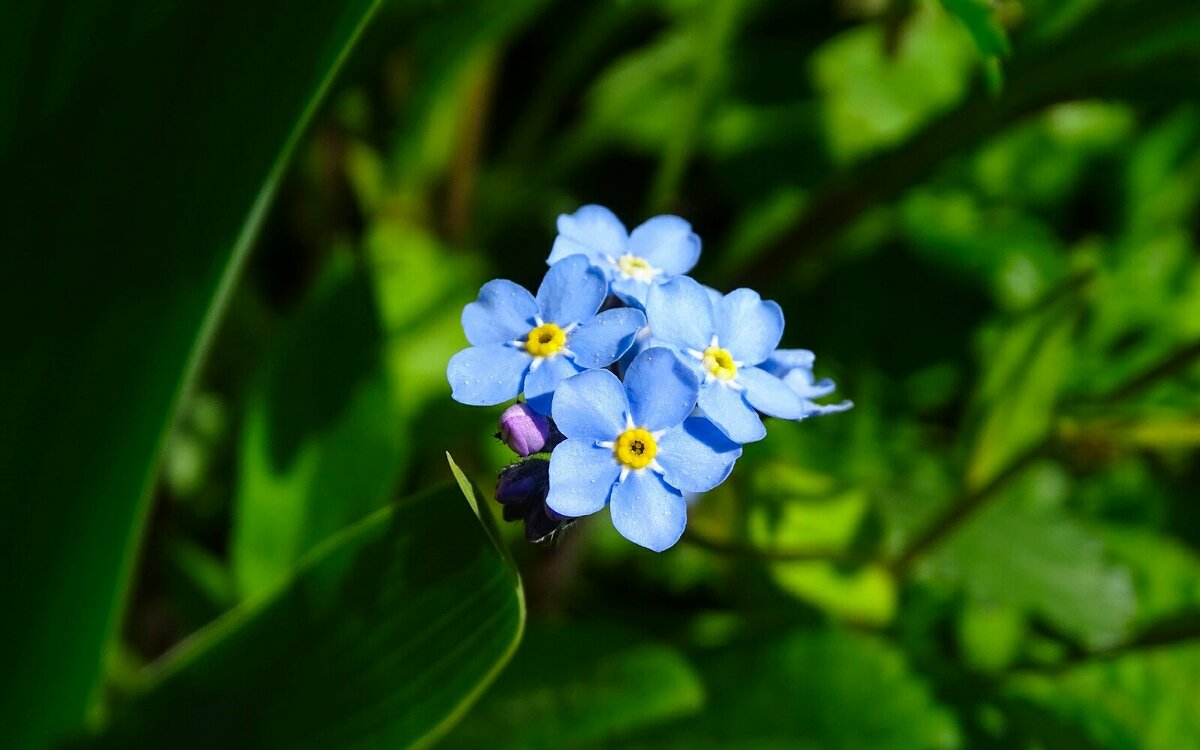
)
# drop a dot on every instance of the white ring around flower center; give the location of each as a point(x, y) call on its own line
point(718, 370)
point(635, 267)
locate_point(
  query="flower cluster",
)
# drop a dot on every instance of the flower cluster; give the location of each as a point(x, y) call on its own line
point(640, 384)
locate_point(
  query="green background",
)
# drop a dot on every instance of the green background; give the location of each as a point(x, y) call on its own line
point(237, 239)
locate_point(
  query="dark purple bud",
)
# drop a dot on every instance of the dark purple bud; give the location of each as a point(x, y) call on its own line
point(522, 490)
point(526, 482)
point(524, 430)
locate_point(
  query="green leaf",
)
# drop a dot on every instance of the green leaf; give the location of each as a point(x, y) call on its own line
point(979, 17)
point(862, 593)
point(140, 145)
point(1025, 551)
point(990, 636)
point(1139, 701)
point(826, 689)
point(1026, 365)
point(1166, 573)
point(384, 637)
point(321, 445)
point(871, 99)
point(579, 686)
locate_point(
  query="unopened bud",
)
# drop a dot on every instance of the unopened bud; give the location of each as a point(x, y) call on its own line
point(524, 430)
point(524, 482)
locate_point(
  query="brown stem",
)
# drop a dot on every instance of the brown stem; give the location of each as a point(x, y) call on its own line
point(964, 508)
point(1171, 631)
point(1176, 361)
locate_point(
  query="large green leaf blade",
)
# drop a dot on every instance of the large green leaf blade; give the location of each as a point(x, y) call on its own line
point(139, 146)
point(384, 636)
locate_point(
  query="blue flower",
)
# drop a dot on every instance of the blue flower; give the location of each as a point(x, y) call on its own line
point(723, 339)
point(657, 251)
point(635, 447)
point(524, 344)
point(795, 366)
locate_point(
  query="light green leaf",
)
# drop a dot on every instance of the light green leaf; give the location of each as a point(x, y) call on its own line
point(385, 635)
point(1026, 364)
point(140, 145)
point(321, 445)
point(579, 686)
point(990, 635)
point(863, 593)
point(871, 99)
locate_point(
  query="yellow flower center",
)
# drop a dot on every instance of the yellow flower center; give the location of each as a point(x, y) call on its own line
point(635, 448)
point(719, 363)
point(634, 267)
point(545, 340)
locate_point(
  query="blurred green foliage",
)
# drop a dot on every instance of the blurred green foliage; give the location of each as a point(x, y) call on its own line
point(981, 214)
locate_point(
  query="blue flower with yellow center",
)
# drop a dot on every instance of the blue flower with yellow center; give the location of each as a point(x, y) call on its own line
point(795, 367)
point(723, 339)
point(654, 252)
point(636, 447)
point(526, 344)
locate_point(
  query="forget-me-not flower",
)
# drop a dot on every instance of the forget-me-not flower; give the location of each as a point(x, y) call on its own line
point(795, 367)
point(654, 252)
point(520, 343)
point(635, 447)
point(723, 339)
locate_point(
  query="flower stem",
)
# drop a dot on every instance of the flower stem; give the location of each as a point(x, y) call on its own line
point(964, 507)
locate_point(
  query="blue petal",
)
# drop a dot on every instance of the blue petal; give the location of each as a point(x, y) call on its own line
point(504, 312)
point(581, 478)
point(783, 361)
point(714, 297)
point(666, 242)
point(593, 231)
point(542, 380)
point(571, 292)
point(591, 406)
point(487, 375)
point(729, 411)
point(662, 390)
point(769, 394)
point(631, 291)
point(696, 456)
point(680, 314)
point(604, 338)
point(749, 327)
point(800, 380)
point(815, 410)
point(641, 342)
point(648, 512)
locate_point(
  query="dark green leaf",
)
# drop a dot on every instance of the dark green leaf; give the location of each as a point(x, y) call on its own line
point(813, 689)
point(134, 180)
point(385, 635)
